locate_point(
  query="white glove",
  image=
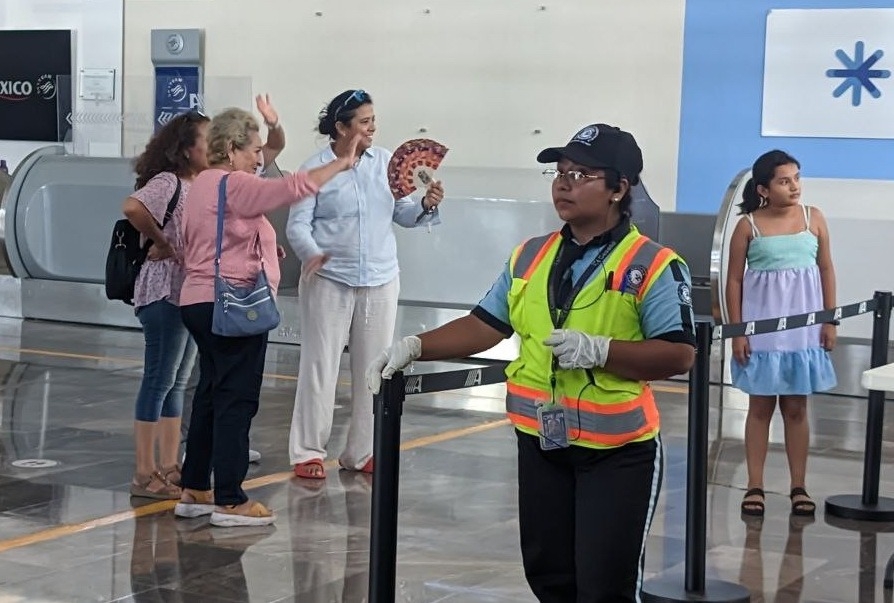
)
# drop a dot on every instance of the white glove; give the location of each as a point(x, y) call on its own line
point(576, 350)
point(392, 360)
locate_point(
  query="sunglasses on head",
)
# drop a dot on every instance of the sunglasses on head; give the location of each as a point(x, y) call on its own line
point(359, 95)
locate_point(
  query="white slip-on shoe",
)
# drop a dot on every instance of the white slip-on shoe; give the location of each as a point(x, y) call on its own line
point(202, 503)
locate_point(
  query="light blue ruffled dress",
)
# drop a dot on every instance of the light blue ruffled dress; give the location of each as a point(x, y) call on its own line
point(782, 278)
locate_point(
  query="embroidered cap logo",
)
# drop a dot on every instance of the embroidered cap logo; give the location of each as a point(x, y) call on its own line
point(587, 135)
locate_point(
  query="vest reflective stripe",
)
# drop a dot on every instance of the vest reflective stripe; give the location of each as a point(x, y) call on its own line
point(626, 261)
point(530, 254)
point(661, 258)
point(646, 254)
point(603, 424)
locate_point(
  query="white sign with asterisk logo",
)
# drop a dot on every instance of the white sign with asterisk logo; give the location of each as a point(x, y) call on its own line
point(829, 73)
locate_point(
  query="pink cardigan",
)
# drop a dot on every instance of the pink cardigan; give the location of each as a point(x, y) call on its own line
point(248, 199)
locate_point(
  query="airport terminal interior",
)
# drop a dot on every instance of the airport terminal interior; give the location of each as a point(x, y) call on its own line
point(69, 531)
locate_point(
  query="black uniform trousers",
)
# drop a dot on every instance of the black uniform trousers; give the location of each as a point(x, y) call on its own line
point(584, 515)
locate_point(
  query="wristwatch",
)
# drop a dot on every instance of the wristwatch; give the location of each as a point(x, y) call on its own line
point(834, 323)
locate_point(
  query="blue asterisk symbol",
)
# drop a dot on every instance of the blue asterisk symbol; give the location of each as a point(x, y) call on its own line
point(858, 73)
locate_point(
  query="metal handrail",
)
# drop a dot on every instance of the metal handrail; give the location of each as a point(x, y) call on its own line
point(718, 266)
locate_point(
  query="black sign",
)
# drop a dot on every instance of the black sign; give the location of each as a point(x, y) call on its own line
point(35, 78)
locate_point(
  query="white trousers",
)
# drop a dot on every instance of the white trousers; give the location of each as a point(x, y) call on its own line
point(331, 315)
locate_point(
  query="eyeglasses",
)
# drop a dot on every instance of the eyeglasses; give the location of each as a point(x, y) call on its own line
point(572, 176)
point(358, 95)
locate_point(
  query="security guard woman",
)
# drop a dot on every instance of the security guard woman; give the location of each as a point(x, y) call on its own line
point(600, 310)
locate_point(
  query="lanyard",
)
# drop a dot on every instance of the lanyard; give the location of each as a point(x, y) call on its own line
point(559, 315)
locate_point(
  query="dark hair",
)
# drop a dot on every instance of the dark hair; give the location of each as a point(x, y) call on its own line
point(342, 108)
point(762, 172)
point(166, 150)
point(613, 182)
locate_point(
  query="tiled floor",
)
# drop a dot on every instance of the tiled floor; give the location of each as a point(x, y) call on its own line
point(70, 532)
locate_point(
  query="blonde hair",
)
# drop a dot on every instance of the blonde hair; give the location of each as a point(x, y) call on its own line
point(230, 129)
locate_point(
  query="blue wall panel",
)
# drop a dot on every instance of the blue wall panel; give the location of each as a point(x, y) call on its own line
point(720, 124)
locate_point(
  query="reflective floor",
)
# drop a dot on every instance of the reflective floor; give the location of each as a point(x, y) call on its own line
point(69, 531)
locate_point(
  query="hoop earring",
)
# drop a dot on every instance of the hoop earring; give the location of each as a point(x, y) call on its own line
point(763, 202)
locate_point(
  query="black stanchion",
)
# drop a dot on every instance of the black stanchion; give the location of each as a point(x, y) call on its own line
point(869, 507)
point(694, 586)
point(387, 408)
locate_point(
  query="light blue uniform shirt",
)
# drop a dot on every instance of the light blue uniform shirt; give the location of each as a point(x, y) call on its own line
point(666, 307)
point(350, 220)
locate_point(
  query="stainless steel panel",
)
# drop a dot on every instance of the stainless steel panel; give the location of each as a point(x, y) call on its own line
point(10, 296)
point(74, 302)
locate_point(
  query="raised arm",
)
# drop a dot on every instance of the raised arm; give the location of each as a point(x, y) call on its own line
point(276, 136)
point(253, 196)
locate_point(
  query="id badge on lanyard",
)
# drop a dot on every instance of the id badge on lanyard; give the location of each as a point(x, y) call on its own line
point(552, 426)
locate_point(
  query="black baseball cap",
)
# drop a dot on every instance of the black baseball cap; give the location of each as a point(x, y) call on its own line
point(601, 146)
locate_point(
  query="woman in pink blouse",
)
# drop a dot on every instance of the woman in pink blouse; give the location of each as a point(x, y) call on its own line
point(166, 169)
point(231, 368)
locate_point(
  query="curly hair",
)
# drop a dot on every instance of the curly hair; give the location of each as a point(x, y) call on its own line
point(230, 129)
point(167, 150)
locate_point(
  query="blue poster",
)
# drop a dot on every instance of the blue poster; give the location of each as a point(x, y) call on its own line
point(177, 90)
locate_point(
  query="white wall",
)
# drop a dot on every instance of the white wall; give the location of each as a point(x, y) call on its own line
point(479, 76)
point(98, 39)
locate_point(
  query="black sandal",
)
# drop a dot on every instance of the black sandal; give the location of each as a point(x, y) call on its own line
point(753, 508)
point(802, 507)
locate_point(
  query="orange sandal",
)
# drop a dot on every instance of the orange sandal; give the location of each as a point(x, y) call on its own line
point(312, 469)
point(367, 468)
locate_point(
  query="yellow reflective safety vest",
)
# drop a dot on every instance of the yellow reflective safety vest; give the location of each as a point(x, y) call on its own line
point(602, 410)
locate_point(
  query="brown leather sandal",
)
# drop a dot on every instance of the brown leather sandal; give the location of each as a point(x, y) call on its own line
point(172, 474)
point(802, 507)
point(753, 508)
point(154, 486)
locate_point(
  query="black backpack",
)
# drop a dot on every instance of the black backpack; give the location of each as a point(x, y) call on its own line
point(126, 256)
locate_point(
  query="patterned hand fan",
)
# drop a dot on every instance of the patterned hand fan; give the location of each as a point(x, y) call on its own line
point(413, 165)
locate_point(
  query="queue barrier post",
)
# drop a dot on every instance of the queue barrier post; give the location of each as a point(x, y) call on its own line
point(869, 506)
point(694, 586)
point(387, 410)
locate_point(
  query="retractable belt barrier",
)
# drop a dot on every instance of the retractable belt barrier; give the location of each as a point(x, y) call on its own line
point(694, 586)
point(388, 407)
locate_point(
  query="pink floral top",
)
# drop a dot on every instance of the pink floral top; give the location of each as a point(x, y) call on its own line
point(162, 279)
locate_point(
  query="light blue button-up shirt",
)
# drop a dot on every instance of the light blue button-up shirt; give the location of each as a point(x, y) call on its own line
point(350, 219)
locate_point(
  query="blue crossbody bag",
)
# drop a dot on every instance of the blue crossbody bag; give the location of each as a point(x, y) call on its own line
point(240, 311)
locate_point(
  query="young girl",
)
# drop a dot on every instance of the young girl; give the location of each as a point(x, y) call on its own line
point(786, 247)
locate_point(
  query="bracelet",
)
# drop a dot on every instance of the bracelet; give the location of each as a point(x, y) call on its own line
point(431, 208)
point(271, 126)
point(834, 323)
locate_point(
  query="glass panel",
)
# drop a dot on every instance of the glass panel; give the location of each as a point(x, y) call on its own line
point(99, 128)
